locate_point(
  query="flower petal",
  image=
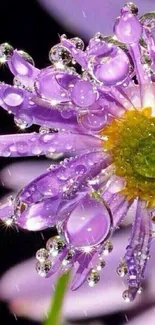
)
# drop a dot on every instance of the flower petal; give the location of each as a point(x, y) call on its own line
point(22, 287)
point(81, 15)
point(28, 171)
point(37, 204)
point(32, 144)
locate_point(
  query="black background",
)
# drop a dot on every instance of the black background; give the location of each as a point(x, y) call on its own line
point(25, 26)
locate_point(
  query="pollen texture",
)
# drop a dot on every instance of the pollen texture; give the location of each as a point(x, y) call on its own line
point(131, 142)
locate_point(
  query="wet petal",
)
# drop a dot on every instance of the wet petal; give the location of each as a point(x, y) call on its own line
point(62, 178)
point(22, 69)
point(36, 205)
point(35, 144)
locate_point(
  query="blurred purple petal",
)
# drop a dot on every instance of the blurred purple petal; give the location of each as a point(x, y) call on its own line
point(147, 317)
point(27, 171)
point(86, 17)
point(29, 295)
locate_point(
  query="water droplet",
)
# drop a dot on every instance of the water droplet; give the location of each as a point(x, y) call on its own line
point(101, 264)
point(108, 247)
point(6, 152)
point(63, 174)
point(148, 20)
point(131, 8)
point(55, 245)
point(44, 130)
point(26, 57)
point(67, 114)
point(78, 43)
point(59, 53)
point(22, 124)
point(67, 260)
point(80, 169)
point(36, 150)
point(6, 51)
point(140, 290)
point(122, 270)
point(127, 296)
point(93, 278)
point(83, 94)
point(68, 146)
point(42, 255)
point(43, 268)
point(13, 97)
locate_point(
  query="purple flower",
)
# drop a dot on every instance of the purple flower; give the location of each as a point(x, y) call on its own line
point(21, 285)
point(96, 105)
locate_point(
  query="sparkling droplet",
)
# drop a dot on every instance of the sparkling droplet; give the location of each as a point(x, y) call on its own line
point(122, 270)
point(140, 290)
point(108, 247)
point(101, 264)
point(130, 7)
point(21, 123)
point(26, 57)
point(10, 221)
point(78, 43)
point(42, 255)
point(59, 53)
point(6, 51)
point(148, 20)
point(99, 36)
point(127, 296)
point(93, 278)
point(68, 258)
point(55, 245)
point(43, 268)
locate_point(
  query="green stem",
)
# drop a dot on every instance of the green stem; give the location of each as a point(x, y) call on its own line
point(55, 312)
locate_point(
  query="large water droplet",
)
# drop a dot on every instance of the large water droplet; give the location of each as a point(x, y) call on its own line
point(88, 224)
point(13, 97)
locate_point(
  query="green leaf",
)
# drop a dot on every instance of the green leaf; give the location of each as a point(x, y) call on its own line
point(55, 312)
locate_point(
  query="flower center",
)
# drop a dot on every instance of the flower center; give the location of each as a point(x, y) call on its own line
point(131, 142)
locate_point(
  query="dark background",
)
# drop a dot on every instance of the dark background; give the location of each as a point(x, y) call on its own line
point(25, 26)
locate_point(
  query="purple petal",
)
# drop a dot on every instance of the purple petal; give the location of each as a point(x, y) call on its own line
point(144, 318)
point(88, 17)
point(21, 286)
point(58, 179)
point(21, 68)
point(39, 216)
point(28, 171)
point(36, 205)
point(6, 211)
point(30, 144)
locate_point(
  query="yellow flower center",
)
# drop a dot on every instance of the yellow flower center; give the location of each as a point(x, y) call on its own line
point(131, 142)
